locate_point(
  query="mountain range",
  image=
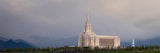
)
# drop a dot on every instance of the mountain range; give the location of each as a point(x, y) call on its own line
point(9, 43)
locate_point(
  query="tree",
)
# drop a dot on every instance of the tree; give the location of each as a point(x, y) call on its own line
point(38, 49)
point(156, 47)
point(0, 50)
point(112, 47)
point(48, 48)
point(26, 50)
point(107, 47)
point(118, 47)
point(136, 47)
point(9, 50)
point(151, 47)
point(96, 48)
point(76, 48)
point(15, 49)
point(52, 49)
point(129, 48)
point(29, 49)
point(146, 47)
point(34, 49)
point(20, 50)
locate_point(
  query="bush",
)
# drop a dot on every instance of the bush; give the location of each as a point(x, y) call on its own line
point(38, 49)
point(15, 49)
point(156, 47)
point(29, 49)
point(96, 48)
point(34, 49)
point(9, 50)
point(20, 50)
point(26, 50)
point(0, 50)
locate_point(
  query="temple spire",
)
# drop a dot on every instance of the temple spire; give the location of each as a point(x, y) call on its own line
point(88, 13)
point(87, 25)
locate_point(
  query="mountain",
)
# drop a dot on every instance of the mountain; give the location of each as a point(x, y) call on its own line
point(72, 41)
point(13, 44)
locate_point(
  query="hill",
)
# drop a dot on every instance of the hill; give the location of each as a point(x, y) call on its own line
point(13, 43)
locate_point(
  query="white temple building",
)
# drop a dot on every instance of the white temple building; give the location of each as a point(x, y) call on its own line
point(133, 45)
point(90, 39)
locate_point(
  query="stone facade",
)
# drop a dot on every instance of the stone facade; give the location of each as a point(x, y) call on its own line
point(90, 39)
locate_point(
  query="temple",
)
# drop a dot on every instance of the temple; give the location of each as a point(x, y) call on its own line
point(90, 39)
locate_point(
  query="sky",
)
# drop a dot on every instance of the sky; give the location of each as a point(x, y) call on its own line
point(45, 21)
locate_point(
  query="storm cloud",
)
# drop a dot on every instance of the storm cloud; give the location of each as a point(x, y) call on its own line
point(44, 21)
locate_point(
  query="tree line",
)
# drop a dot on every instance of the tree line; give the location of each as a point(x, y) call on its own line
point(28, 49)
point(83, 49)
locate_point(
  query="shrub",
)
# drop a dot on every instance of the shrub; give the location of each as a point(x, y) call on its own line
point(20, 50)
point(34, 49)
point(15, 49)
point(9, 50)
point(0, 50)
point(38, 49)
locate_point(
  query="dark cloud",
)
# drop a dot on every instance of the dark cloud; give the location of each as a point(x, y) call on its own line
point(39, 21)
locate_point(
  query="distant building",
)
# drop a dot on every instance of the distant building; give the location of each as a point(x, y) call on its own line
point(90, 39)
point(133, 45)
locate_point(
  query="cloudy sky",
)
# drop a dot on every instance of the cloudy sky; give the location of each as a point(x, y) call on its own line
point(50, 20)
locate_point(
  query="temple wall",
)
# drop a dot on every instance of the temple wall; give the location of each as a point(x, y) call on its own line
point(102, 41)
